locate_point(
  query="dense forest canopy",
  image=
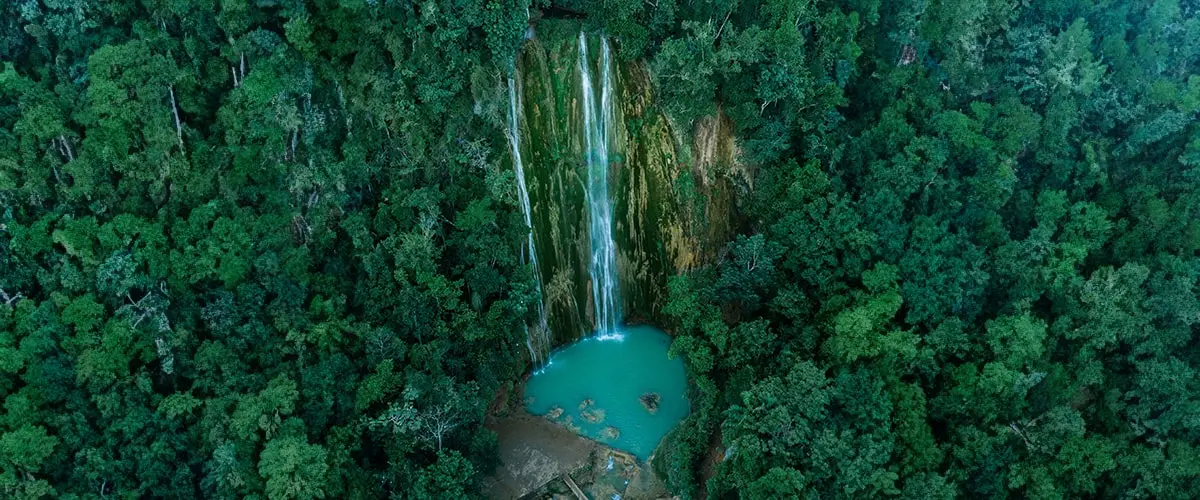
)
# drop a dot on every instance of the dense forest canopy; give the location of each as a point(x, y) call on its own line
point(271, 248)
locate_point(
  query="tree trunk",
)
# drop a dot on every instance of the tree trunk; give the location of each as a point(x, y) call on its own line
point(175, 110)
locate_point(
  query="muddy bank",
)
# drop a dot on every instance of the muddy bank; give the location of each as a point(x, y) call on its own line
point(533, 453)
point(536, 453)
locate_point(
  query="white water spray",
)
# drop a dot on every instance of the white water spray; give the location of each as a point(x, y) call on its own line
point(598, 121)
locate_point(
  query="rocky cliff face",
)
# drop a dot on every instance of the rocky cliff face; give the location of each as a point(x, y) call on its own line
point(672, 189)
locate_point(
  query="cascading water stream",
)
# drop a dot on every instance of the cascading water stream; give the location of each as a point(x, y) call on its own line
point(598, 121)
point(537, 337)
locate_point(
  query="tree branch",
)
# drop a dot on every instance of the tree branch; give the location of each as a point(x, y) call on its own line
point(9, 300)
point(65, 148)
point(722, 28)
point(175, 110)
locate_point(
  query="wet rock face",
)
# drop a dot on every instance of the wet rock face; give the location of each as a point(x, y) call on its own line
point(552, 147)
point(671, 190)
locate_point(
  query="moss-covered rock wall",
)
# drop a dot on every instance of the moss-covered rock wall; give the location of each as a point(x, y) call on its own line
point(672, 198)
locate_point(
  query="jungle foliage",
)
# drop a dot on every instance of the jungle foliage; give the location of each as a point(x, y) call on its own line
point(969, 262)
point(270, 248)
point(254, 249)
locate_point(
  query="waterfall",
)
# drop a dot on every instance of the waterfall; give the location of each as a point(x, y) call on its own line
point(610, 225)
point(536, 338)
point(597, 126)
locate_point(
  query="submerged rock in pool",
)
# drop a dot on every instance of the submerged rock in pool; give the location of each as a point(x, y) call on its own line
point(651, 400)
point(554, 413)
point(592, 416)
point(610, 433)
